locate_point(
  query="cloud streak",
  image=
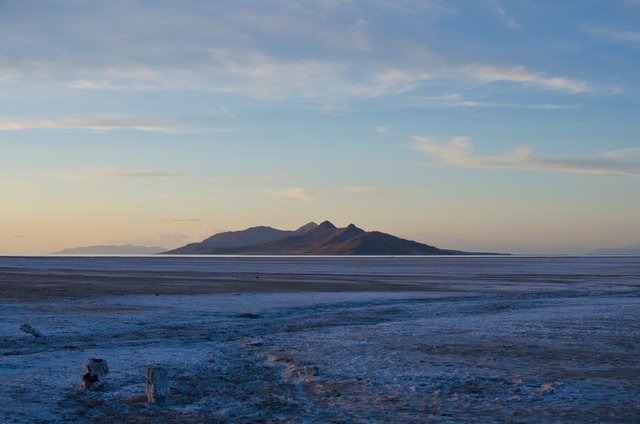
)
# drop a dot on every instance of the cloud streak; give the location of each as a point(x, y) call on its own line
point(8, 74)
point(360, 189)
point(521, 75)
point(615, 34)
point(508, 20)
point(95, 124)
point(257, 74)
point(302, 194)
point(229, 51)
point(107, 123)
point(456, 100)
point(274, 177)
point(458, 151)
point(114, 173)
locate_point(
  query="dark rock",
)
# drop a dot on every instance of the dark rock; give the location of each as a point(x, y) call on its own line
point(27, 328)
point(158, 384)
point(94, 372)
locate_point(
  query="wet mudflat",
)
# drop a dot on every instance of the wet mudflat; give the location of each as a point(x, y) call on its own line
point(340, 340)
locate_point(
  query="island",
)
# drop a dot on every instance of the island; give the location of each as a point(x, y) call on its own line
point(311, 239)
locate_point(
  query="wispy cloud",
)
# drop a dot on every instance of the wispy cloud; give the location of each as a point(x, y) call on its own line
point(522, 75)
point(107, 123)
point(300, 194)
point(458, 151)
point(551, 106)
point(361, 189)
point(274, 177)
point(133, 174)
point(295, 194)
point(508, 20)
point(96, 85)
point(624, 154)
point(95, 123)
point(382, 129)
point(184, 220)
point(222, 112)
point(456, 100)
point(407, 7)
point(8, 74)
point(261, 75)
point(351, 36)
point(114, 173)
point(615, 34)
point(231, 50)
point(255, 73)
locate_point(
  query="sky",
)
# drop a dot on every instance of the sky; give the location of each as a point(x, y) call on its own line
point(493, 125)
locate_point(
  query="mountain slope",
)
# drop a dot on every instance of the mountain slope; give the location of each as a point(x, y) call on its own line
point(323, 239)
point(235, 239)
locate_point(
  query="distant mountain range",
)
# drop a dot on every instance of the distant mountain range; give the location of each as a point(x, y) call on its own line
point(125, 249)
point(627, 250)
point(311, 239)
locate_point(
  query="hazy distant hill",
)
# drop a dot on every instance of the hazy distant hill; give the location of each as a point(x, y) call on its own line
point(627, 250)
point(126, 249)
point(311, 239)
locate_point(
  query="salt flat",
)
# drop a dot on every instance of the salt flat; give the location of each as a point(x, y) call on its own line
point(324, 339)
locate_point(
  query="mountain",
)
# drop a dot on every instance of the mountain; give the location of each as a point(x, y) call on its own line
point(627, 250)
point(125, 249)
point(312, 239)
point(237, 239)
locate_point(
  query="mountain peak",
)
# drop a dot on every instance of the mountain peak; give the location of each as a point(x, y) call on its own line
point(352, 230)
point(326, 225)
point(306, 228)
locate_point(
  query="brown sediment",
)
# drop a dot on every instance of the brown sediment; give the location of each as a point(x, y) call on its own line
point(51, 278)
point(26, 287)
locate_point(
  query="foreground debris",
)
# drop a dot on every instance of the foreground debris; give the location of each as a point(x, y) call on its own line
point(94, 372)
point(158, 384)
point(27, 328)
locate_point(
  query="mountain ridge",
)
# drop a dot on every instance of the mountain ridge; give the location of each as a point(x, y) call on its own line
point(312, 239)
point(236, 239)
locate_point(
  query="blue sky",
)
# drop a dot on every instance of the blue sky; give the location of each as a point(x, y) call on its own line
point(488, 124)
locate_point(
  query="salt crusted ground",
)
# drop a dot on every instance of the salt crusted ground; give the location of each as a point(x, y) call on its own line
point(547, 351)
